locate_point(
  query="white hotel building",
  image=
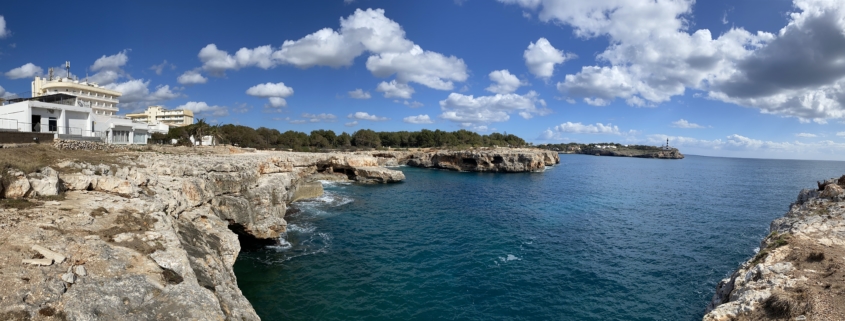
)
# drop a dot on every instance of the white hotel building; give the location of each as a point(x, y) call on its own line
point(73, 109)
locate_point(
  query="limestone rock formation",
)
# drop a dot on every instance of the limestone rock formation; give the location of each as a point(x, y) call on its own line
point(15, 185)
point(152, 242)
point(504, 160)
point(45, 182)
point(798, 272)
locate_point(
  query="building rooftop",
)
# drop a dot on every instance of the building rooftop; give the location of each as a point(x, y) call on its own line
point(53, 98)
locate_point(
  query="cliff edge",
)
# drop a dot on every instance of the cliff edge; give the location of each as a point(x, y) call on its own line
point(499, 160)
point(152, 236)
point(799, 271)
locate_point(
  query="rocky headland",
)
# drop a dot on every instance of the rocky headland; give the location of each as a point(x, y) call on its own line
point(672, 153)
point(153, 235)
point(799, 271)
point(499, 160)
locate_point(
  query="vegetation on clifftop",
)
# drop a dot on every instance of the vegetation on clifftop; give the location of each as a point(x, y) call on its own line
point(267, 138)
point(581, 147)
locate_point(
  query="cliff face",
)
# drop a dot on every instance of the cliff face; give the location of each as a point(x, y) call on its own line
point(495, 160)
point(154, 237)
point(799, 272)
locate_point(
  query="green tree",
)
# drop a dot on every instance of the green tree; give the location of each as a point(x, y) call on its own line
point(366, 138)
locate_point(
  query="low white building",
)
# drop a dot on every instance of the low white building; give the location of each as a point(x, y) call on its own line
point(74, 110)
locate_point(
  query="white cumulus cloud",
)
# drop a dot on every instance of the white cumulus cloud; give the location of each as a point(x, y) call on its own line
point(579, 128)
point(394, 89)
point(136, 94)
point(806, 135)
point(683, 123)
point(113, 62)
point(28, 70)
point(201, 107)
point(486, 109)
point(419, 119)
point(191, 77)
point(359, 94)
point(654, 55)
point(364, 31)
point(274, 92)
point(365, 116)
point(504, 82)
point(541, 58)
point(3, 31)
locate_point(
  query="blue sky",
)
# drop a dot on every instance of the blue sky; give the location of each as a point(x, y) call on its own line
point(723, 78)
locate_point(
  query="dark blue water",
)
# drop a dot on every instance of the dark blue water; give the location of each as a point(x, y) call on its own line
point(594, 238)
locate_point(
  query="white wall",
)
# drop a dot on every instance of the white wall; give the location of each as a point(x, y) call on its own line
point(77, 122)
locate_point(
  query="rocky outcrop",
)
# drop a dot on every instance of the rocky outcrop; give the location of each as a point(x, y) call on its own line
point(798, 273)
point(15, 185)
point(153, 236)
point(672, 153)
point(503, 160)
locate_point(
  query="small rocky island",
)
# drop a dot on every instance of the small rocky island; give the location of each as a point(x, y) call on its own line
point(619, 150)
point(153, 234)
point(798, 273)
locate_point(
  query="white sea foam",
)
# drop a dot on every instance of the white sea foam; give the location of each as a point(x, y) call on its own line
point(283, 245)
point(509, 258)
point(301, 228)
point(334, 183)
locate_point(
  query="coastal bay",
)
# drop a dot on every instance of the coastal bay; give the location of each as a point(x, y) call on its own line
point(153, 233)
point(594, 238)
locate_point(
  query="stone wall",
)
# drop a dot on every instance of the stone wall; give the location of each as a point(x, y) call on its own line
point(86, 145)
point(7, 137)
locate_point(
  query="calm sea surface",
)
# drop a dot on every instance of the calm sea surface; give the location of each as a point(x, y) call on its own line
point(594, 238)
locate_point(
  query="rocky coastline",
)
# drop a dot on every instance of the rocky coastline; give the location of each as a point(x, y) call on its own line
point(154, 235)
point(799, 272)
point(497, 160)
point(672, 153)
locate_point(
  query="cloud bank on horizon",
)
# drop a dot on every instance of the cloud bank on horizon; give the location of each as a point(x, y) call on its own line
point(631, 71)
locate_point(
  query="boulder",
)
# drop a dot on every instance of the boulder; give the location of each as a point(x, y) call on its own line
point(16, 185)
point(111, 184)
point(378, 175)
point(77, 182)
point(832, 191)
point(45, 183)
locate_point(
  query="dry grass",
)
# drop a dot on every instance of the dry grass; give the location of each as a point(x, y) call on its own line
point(28, 159)
point(20, 204)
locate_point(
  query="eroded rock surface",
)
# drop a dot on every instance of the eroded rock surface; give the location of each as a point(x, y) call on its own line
point(504, 160)
point(154, 239)
point(799, 272)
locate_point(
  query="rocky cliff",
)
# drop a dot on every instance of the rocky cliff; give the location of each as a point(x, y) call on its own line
point(503, 160)
point(799, 271)
point(153, 236)
point(627, 152)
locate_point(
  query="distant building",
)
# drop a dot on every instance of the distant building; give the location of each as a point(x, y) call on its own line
point(73, 109)
point(100, 100)
point(158, 115)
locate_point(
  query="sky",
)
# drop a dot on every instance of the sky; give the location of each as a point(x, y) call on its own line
point(736, 78)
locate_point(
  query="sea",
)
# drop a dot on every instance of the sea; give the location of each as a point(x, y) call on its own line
point(593, 238)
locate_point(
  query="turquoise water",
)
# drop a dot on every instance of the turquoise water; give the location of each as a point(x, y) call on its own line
point(594, 238)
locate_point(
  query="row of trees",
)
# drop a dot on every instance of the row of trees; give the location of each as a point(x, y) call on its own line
point(571, 146)
point(265, 138)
